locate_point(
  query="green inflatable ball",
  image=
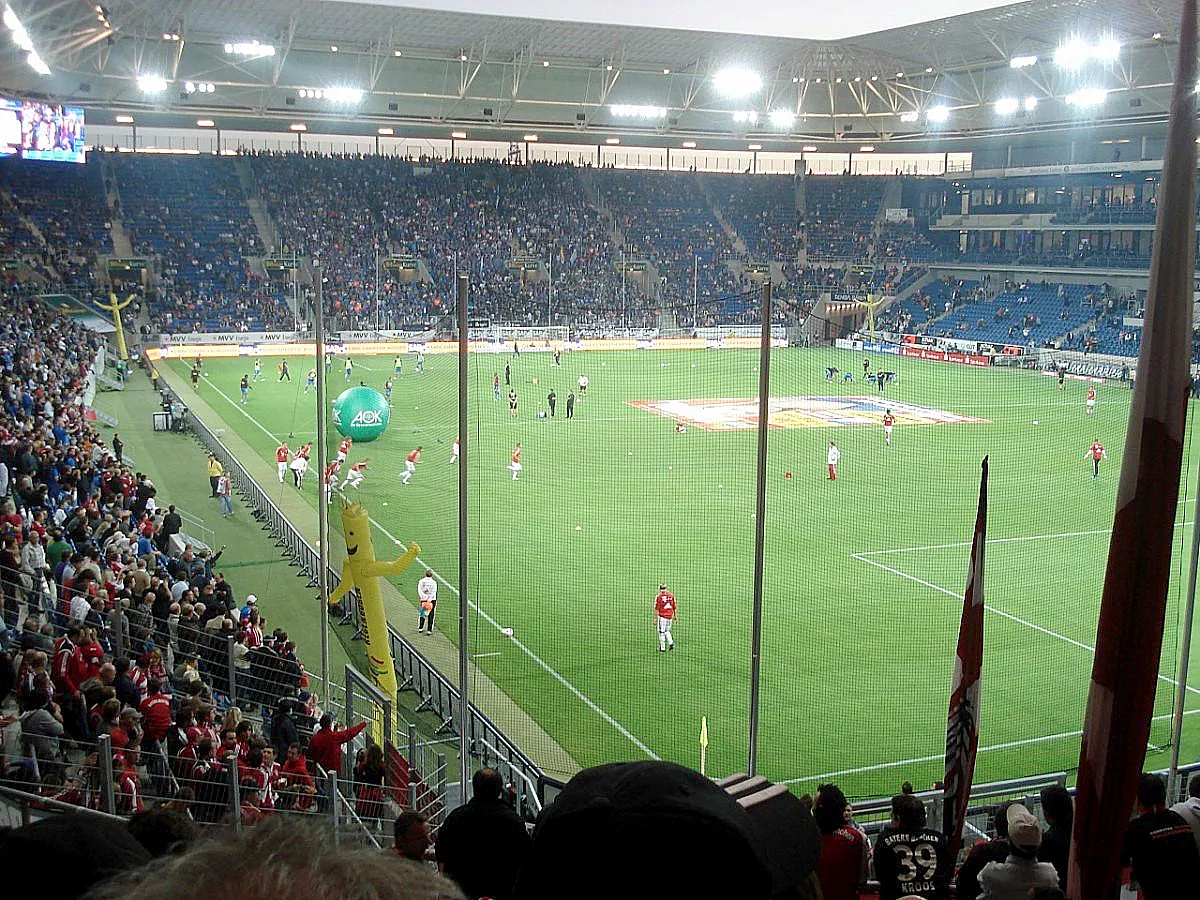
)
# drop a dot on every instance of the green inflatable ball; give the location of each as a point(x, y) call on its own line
point(361, 414)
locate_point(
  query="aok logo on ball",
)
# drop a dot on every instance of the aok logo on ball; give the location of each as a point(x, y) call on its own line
point(361, 413)
point(367, 417)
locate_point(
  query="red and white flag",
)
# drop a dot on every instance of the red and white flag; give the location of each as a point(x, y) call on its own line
point(1129, 634)
point(962, 725)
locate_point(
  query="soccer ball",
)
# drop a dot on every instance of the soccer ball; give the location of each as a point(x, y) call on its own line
point(1036, 422)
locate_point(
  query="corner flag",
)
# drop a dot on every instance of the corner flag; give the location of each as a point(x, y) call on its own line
point(1130, 631)
point(962, 724)
point(703, 741)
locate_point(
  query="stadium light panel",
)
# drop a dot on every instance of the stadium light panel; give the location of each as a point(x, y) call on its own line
point(808, 148)
point(910, 116)
point(151, 84)
point(458, 135)
point(737, 82)
point(1106, 49)
point(636, 111)
point(386, 132)
point(612, 140)
point(1076, 52)
point(37, 63)
point(746, 116)
point(866, 148)
point(937, 114)
point(530, 138)
point(298, 126)
point(1023, 62)
point(205, 123)
point(1085, 98)
point(124, 119)
point(344, 94)
point(1031, 103)
point(689, 145)
point(253, 49)
point(782, 118)
point(1006, 106)
point(754, 146)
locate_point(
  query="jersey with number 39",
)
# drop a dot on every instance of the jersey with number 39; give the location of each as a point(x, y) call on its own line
point(913, 864)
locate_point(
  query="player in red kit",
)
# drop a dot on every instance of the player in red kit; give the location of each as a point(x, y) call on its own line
point(888, 421)
point(281, 459)
point(344, 450)
point(1091, 400)
point(1096, 452)
point(410, 465)
point(330, 479)
point(515, 465)
point(664, 613)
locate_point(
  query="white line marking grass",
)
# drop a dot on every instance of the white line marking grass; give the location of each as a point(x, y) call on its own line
point(550, 670)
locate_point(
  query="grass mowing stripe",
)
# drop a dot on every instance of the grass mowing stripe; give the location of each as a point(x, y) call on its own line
point(550, 670)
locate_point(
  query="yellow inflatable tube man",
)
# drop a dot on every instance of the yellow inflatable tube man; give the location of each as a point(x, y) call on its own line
point(361, 570)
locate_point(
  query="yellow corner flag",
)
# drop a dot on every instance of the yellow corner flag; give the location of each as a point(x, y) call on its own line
point(704, 732)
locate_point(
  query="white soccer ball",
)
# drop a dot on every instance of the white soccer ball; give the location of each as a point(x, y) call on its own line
point(631, 453)
point(670, 467)
point(1036, 422)
point(579, 528)
point(693, 365)
point(720, 485)
point(507, 632)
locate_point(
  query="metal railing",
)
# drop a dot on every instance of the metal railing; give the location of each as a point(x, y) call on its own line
point(489, 745)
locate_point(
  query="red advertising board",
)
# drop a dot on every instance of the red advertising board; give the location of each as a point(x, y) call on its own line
point(951, 356)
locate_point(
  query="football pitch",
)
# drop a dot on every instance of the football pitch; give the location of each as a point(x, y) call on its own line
point(863, 575)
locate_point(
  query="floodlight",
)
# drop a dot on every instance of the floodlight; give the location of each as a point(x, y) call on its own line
point(866, 148)
point(612, 140)
point(530, 138)
point(635, 111)
point(298, 126)
point(205, 123)
point(808, 148)
point(249, 48)
point(458, 135)
point(1031, 103)
point(782, 118)
point(754, 146)
point(689, 145)
point(910, 116)
point(387, 132)
point(1023, 62)
point(1006, 106)
point(937, 114)
point(344, 94)
point(124, 119)
point(1106, 49)
point(737, 82)
point(746, 116)
point(151, 84)
point(1087, 97)
point(37, 63)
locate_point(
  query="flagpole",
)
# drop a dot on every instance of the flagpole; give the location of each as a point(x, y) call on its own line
point(1184, 653)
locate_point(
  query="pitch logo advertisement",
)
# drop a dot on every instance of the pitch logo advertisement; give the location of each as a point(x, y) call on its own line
point(735, 414)
point(361, 414)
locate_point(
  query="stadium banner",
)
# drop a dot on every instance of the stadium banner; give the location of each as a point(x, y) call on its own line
point(895, 215)
point(235, 345)
point(859, 346)
point(1090, 370)
point(950, 356)
point(243, 337)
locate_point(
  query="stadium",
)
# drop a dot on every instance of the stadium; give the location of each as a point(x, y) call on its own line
point(544, 388)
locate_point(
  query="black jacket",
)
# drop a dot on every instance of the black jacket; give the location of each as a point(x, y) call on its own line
point(482, 846)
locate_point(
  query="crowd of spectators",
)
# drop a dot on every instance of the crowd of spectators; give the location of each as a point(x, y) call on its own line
point(117, 632)
point(839, 217)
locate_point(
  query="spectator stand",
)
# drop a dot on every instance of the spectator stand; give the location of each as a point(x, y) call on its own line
point(414, 672)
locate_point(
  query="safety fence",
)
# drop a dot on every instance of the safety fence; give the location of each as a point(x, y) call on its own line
point(489, 745)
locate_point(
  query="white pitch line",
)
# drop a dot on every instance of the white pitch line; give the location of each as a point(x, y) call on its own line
point(1007, 540)
point(482, 655)
point(988, 607)
point(550, 670)
point(916, 760)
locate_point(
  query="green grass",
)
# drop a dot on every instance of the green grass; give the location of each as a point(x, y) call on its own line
point(856, 658)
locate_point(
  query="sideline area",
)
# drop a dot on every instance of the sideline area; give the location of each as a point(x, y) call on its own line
point(439, 650)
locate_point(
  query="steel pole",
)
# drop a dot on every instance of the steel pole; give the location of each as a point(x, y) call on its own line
point(322, 506)
point(1184, 653)
point(760, 517)
point(464, 703)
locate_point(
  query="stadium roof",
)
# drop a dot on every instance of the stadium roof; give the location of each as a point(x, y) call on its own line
point(425, 71)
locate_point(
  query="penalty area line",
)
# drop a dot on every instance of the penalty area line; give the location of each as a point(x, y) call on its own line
point(995, 610)
point(935, 757)
point(545, 666)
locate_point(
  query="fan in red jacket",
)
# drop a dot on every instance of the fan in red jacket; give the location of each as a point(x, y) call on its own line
point(325, 747)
